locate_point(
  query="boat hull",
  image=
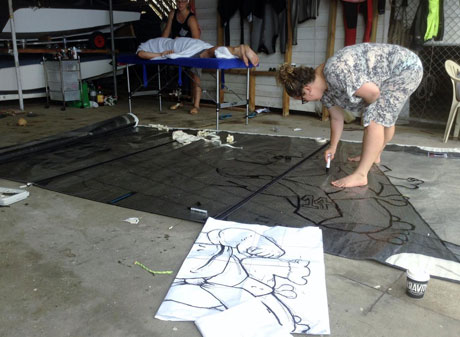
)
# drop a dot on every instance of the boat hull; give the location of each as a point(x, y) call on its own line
point(39, 22)
point(33, 76)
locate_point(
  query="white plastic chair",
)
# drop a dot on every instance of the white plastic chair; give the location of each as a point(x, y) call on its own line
point(453, 70)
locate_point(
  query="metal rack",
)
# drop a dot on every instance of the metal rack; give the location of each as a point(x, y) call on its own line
point(63, 80)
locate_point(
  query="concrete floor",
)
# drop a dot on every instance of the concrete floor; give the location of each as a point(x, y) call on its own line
point(67, 264)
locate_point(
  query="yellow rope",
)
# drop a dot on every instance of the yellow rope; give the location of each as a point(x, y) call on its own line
point(163, 272)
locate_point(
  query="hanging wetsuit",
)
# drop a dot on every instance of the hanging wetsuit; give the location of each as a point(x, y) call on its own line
point(226, 10)
point(419, 30)
point(351, 9)
point(435, 20)
point(265, 25)
point(246, 10)
point(257, 24)
point(180, 29)
point(283, 25)
point(308, 9)
point(301, 11)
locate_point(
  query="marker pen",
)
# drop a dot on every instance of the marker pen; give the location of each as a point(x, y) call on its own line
point(328, 164)
point(198, 210)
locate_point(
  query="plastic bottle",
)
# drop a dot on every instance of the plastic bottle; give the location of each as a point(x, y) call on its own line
point(84, 95)
point(92, 93)
point(100, 96)
point(74, 53)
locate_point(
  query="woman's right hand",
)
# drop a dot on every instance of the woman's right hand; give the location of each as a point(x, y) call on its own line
point(330, 152)
point(167, 52)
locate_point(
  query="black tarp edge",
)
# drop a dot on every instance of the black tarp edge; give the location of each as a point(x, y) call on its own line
point(64, 139)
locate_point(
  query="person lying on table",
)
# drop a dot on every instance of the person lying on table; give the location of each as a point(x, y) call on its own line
point(162, 47)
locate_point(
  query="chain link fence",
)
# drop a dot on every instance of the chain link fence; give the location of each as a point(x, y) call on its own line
point(432, 100)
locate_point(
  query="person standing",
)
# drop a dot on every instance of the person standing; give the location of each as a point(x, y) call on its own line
point(371, 78)
point(183, 23)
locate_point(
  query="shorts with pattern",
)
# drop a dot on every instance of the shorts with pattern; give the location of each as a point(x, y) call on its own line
point(394, 92)
point(395, 70)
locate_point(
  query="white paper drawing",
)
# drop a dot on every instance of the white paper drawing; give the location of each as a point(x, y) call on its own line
point(231, 263)
point(253, 320)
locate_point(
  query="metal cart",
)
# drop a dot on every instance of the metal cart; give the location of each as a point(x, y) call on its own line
point(63, 80)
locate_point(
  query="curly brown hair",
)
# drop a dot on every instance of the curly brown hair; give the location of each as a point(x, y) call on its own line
point(295, 78)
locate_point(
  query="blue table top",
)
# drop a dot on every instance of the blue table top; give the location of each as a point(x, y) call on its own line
point(195, 62)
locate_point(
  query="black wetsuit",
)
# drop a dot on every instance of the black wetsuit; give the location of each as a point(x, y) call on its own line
point(268, 20)
point(351, 9)
point(350, 19)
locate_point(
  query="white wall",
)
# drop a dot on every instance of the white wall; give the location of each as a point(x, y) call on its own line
point(310, 50)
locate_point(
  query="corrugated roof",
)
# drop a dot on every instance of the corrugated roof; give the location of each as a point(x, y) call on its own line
point(160, 7)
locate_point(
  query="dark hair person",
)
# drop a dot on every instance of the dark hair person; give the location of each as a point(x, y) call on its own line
point(373, 79)
point(183, 23)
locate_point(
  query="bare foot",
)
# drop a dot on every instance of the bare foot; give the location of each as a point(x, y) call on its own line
point(176, 106)
point(245, 53)
point(358, 158)
point(353, 180)
point(251, 55)
point(194, 110)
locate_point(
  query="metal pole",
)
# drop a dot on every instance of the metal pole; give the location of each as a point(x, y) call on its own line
point(247, 96)
point(217, 98)
point(129, 88)
point(159, 84)
point(16, 57)
point(112, 39)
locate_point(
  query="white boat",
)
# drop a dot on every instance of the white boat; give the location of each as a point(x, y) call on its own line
point(33, 74)
point(33, 19)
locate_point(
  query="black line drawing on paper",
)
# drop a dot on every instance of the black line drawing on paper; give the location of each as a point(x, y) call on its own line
point(225, 265)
